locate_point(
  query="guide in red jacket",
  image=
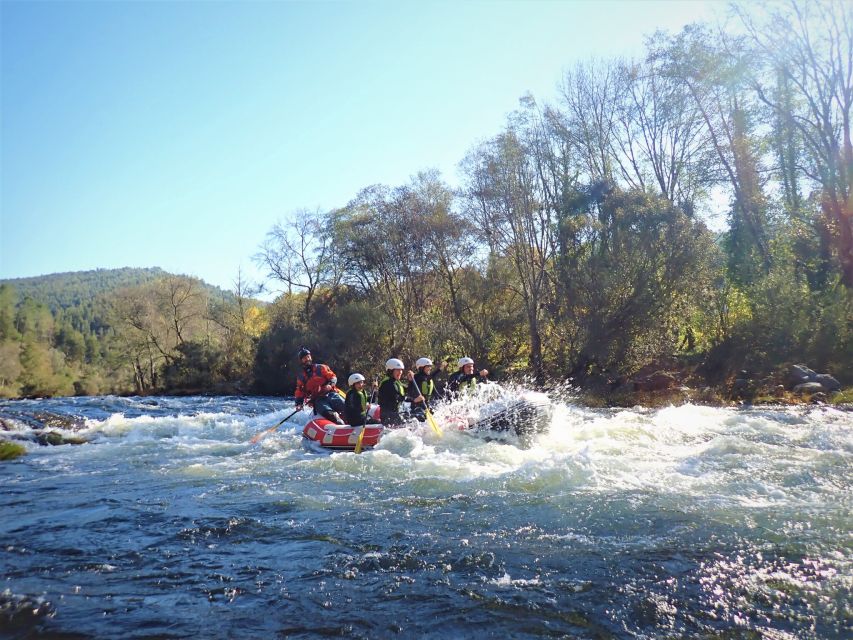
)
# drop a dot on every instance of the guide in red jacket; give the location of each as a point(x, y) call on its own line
point(316, 384)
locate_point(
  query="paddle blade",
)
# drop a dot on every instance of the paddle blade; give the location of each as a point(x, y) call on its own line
point(360, 439)
point(263, 434)
point(433, 423)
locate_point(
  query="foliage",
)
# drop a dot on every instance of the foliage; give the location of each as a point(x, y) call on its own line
point(89, 333)
point(576, 245)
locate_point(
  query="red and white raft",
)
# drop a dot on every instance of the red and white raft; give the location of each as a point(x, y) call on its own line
point(325, 434)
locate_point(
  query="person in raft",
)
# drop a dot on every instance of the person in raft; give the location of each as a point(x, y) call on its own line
point(392, 393)
point(465, 380)
point(316, 384)
point(357, 403)
point(424, 385)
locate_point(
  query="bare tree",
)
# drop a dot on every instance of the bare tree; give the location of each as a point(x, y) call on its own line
point(660, 140)
point(508, 203)
point(589, 95)
point(299, 254)
point(810, 44)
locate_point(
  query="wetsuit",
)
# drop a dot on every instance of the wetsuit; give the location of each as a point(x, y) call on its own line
point(391, 394)
point(355, 407)
point(460, 382)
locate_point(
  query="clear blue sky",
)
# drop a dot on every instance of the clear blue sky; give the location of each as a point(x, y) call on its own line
point(175, 134)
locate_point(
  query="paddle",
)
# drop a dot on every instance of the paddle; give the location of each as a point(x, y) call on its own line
point(431, 420)
point(428, 413)
point(263, 434)
point(360, 437)
point(364, 426)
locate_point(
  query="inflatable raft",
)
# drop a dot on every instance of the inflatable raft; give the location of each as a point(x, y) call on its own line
point(321, 434)
point(514, 419)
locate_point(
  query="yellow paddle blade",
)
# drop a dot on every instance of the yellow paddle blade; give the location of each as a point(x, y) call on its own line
point(433, 423)
point(360, 438)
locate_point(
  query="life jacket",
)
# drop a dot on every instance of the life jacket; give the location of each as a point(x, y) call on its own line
point(398, 386)
point(362, 398)
point(426, 386)
point(308, 385)
point(467, 386)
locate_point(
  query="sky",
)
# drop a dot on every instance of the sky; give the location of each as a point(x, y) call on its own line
point(176, 134)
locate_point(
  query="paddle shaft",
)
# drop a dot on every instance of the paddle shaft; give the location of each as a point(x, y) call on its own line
point(260, 436)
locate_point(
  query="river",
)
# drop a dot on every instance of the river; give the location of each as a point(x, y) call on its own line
point(684, 522)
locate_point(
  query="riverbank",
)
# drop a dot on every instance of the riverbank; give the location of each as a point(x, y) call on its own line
point(711, 397)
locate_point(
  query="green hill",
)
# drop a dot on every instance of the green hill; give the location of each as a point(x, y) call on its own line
point(113, 330)
point(59, 291)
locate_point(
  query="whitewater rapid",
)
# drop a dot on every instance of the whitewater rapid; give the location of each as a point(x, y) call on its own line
point(680, 522)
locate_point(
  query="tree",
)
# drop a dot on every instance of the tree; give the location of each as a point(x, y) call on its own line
point(810, 47)
point(8, 304)
point(628, 263)
point(153, 320)
point(299, 253)
point(380, 253)
point(241, 321)
point(661, 143)
point(505, 198)
point(715, 79)
point(10, 368)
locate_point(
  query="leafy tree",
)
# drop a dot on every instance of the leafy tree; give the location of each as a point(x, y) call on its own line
point(8, 304)
point(10, 368)
point(628, 264)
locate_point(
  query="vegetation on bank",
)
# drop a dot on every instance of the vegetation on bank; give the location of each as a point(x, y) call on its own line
point(576, 247)
point(11, 450)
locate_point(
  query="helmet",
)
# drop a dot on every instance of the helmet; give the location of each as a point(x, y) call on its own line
point(463, 361)
point(356, 377)
point(423, 362)
point(303, 352)
point(394, 363)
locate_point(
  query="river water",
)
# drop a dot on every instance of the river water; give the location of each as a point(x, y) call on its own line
point(687, 522)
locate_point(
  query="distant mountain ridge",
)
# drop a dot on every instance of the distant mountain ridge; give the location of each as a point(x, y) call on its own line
point(73, 288)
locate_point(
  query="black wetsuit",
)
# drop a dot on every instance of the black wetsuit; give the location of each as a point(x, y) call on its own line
point(355, 407)
point(391, 394)
point(460, 381)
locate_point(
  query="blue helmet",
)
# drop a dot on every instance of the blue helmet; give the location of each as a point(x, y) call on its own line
point(303, 352)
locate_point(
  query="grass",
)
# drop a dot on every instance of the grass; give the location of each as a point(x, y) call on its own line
point(844, 396)
point(11, 450)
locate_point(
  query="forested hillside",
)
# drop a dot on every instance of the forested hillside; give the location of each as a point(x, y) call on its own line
point(122, 331)
point(64, 290)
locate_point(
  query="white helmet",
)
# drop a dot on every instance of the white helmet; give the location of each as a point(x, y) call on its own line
point(356, 377)
point(463, 361)
point(423, 362)
point(394, 363)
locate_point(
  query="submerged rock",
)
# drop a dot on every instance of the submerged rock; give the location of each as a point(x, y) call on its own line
point(59, 421)
point(54, 438)
point(809, 387)
point(45, 428)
